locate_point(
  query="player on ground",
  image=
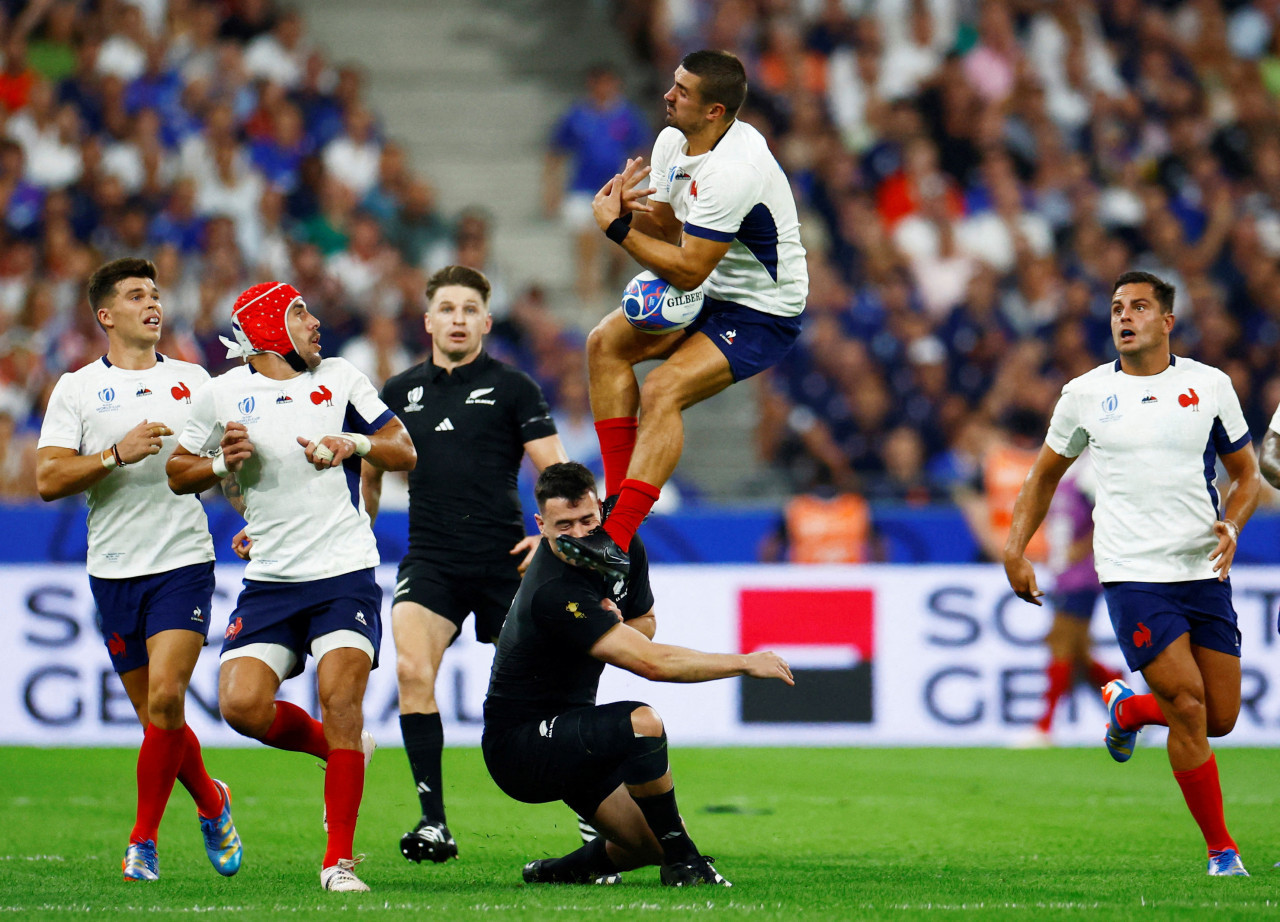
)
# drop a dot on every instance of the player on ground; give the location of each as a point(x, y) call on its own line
point(150, 558)
point(720, 214)
point(1069, 530)
point(292, 427)
point(546, 739)
point(472, 419)
point(1152, 422)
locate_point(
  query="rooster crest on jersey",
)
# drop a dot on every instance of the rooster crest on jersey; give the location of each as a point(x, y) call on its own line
point(258, 323)
point(654, 306)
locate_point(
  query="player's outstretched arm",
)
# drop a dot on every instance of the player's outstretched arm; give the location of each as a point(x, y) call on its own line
point(1269, 460)
point(1242, 499)
point(633, 651)
point(1028, 512)
point(64, 471)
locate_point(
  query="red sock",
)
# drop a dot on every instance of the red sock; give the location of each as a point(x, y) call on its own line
point(1059, 675)
point(158, 762)
point(1138, 712)
point(634, 502)
point(617, 442)
point(1100, 675)
point(1203, 794)
point(343, 788)
point(296, 730)
point(196, 779)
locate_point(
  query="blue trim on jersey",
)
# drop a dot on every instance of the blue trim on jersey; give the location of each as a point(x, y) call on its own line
point(759, 234)
point(351, 468)
point(106, 361)
point(352, 421)
point(1235, 446)
point(1217, 436)
point(707, 233)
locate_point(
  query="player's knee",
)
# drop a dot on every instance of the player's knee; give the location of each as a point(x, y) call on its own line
point(1222, 724)
point(164, 702)
point(415, 675)
point(1187, 709)
point(600, 344)
point(646, 722)
point(246, 714)
point(661, 390)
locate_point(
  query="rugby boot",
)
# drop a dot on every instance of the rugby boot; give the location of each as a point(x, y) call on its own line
point(696, 872)
point(597, 551)
point(429, 842)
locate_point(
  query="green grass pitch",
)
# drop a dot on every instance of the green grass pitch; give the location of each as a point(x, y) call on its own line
point(802, 833)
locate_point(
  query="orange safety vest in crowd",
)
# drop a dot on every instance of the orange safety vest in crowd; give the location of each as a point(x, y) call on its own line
point(1002, 477)
point(832, 530)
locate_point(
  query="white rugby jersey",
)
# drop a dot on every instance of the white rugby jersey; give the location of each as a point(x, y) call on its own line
point(1154, 440)
point(137, 526)
point(736, 192)
point(305, 524)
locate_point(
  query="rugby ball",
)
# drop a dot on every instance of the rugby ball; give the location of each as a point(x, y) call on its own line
point(652, 305)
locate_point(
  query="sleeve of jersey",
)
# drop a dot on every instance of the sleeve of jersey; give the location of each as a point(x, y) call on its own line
point(660, 167)
point(725, 196)
point(202, 421)
point(640, 594)
point(1230, 431)
point(532, 413)
point(366, 413)
point(62, 426)
point(573, 613)
point(1065, 435)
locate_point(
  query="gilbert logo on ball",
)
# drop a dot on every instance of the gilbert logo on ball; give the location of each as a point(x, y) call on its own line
point(654, 306)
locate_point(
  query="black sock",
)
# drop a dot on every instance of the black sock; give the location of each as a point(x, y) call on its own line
point(423, 742)
point(587, 863)
point(663, 817)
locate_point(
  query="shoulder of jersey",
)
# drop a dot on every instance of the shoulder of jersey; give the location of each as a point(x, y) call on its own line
point(178, 366)
point(1094, 374)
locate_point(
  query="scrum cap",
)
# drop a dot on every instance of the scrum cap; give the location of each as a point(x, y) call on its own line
point(258, 322)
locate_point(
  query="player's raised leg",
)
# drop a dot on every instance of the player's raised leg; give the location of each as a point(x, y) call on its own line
point(614, 348)
point(421, 638)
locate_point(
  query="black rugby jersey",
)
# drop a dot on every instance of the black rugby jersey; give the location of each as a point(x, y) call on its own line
point(542, 665)
point(469, 428)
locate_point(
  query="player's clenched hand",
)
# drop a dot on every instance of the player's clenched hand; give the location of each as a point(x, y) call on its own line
point(242, 544)
point(235, 445)
point(765, 664)
point(1225, 552)
point(636, 192)
point(611, 605)
point(1022, 579)
point(329, 452)
point(527, 545)
point(606, 207)
point(142, 441)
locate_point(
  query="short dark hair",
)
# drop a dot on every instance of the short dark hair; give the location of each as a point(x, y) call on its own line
point(721, 78)
point(103, 282)
point(459, 275)
point(567, 480)
point(1164, 291)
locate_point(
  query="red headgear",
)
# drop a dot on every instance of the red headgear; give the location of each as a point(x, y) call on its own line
point(258, 321)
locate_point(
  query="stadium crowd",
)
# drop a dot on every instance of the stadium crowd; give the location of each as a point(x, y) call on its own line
point(972, 177)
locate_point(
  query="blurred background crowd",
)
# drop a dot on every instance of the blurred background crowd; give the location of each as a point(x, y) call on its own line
point(972, 176)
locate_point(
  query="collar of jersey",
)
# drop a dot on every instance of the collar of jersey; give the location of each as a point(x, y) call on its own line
point(1173, 360)
point(106, 361)
point(463, 373)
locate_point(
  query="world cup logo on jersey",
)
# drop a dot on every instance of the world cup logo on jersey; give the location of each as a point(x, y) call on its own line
point(246, 406)
point(415, 395)
point(107, 395)
point(828, 637)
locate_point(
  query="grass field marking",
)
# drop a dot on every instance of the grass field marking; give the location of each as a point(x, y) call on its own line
point(32, 858)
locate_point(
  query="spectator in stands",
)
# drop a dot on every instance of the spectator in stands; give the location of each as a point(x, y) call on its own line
point(600, 130)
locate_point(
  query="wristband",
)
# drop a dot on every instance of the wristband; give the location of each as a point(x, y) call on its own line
point(115, 452)
point(220, 468)
point(618, 229)
point(1235, 529)
point(362, 443)
point(109, 462)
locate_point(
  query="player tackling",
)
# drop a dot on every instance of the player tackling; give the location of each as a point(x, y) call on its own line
point(294, 427)
point(720, 214)
point(1163, 546)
